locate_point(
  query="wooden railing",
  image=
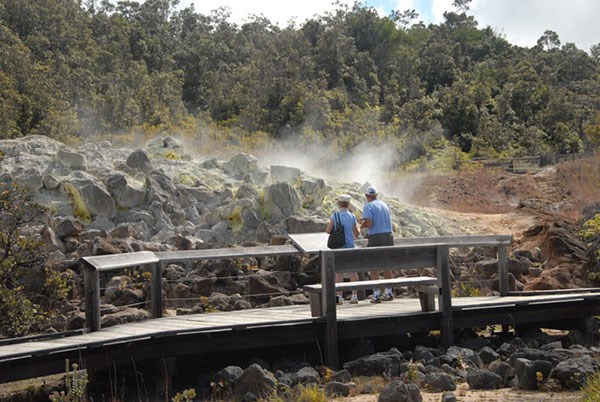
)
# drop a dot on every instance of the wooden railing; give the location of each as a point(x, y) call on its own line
point(407, 253)
point(95, 264)
point(526, 163)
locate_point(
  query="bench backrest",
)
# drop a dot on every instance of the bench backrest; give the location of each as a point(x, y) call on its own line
point(408, 253)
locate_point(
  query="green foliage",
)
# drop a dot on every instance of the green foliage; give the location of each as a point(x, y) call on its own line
point(300, 393)
point(235, 220)
point(187, 395)
point(69, 71)
point(591, 389)
point(80, 210)
point(464, 289)
point(23, 277)
point(591, 228)
point(76, 386)
point(590, 232)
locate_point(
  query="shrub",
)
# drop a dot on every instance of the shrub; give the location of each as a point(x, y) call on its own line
point(76, 386)
point(300, 393)
point(23, 276)
point(591, 389)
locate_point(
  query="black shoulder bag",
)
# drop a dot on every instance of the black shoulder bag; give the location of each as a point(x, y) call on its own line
point(337, 237)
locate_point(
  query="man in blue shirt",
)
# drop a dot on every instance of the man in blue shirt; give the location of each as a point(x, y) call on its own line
point(376, 218)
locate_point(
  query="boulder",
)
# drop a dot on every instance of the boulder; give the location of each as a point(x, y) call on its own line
point(225, 378)
point(68, 226)
point(160, 187)
point(71, 160)
point(241, 164)
point(124, 194)
point(52, 240)
point(29, 177)
point(139, 161)
point(487, 268)
point(264, 283)
point(279, 301)
point(341, 376)
point(503, 369)
point(398, 391)
point(301, 224)
point(483, 379)
point(313, 192)
point(255, 380)
point(247, 191)
point(167, 147)
point(285, 173)
point(50, 182)
point(92, 193)
point(465, 355)
point(530, 373)
point(385, 363)
point(337, 389)
point(573, 373)
point(307, 375)
point(488, 355)
point(449, 396)
point(280, 201)
point(124, 316)
point(439, 382)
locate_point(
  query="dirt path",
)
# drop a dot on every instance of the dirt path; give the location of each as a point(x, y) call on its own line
point(463, 394)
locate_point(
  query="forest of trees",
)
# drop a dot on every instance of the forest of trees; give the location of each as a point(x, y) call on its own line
point(73, 69)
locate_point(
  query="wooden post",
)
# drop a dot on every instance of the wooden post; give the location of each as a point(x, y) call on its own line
point(92, 298)
point(589, 328)
point(329, 309)
point(156, 290)
point(502, 270)
point(445, 299)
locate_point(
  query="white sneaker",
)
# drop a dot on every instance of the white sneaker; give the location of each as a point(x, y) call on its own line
point(340, 300)
point(388, 297)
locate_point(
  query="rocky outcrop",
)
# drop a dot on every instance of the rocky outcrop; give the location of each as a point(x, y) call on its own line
point(162, 191)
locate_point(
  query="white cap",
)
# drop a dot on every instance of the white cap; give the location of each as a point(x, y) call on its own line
point(344, 198)
point(371, 190)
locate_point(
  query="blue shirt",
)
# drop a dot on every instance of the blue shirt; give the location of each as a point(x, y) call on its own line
point(379, 214)
point(348, 220)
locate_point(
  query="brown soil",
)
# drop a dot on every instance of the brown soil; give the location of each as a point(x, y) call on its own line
point(509, 201)
point(463, 394)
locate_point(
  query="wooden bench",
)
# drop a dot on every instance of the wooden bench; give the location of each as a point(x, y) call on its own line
point(426, 286)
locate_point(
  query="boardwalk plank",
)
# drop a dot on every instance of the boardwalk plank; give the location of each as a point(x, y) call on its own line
point(242, 320)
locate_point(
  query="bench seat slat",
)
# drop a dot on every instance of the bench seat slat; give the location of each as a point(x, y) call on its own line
point(363, 285)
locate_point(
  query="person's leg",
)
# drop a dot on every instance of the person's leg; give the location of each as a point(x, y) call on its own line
point(339, 295)
point(354, 299)
point(388, 295)
point(376, 296)
point(388, 240)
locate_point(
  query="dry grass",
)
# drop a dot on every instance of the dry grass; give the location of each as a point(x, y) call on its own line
point(581, 182)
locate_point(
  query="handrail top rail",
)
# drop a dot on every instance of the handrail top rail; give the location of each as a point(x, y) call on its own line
point(124, 260)
point(427, 242)
point(458, 241)
point(232, 252)
point(115, 261)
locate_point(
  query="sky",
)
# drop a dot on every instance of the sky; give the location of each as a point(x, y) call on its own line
point(521, 22)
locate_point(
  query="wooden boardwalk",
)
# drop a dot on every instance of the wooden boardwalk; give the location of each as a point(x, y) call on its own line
point(269, 327)
point(200, 336)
